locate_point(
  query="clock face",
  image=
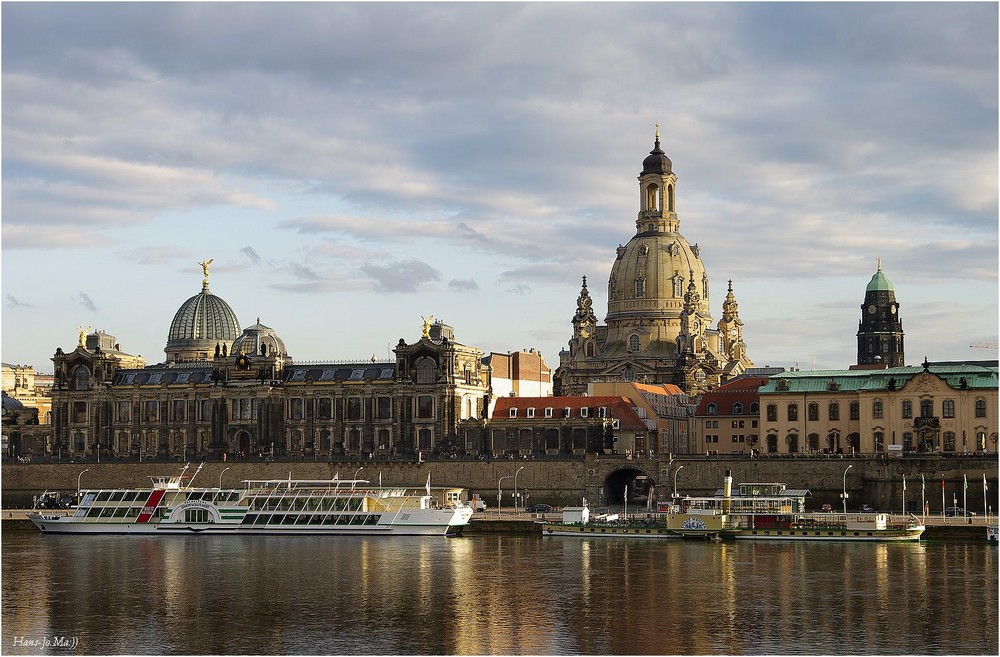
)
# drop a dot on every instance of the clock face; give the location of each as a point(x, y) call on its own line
point(892, 309)
point(732, 331)
point(871, 309)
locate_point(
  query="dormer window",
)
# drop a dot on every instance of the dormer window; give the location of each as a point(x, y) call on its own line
point(513, 412)
point(531, 412)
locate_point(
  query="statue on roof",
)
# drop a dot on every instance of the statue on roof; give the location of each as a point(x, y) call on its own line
point(83, 335)
point(204, 268)
point(427, 326)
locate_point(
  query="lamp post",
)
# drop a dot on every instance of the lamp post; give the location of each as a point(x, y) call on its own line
point(515, 487)
point(500, 493)
point(80, 476)
point(844, 494)
point(220, 476)
point(679, 468)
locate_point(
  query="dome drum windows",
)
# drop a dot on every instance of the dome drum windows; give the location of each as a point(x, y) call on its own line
point(633, 342)
point(640, 288)
point(653, 200)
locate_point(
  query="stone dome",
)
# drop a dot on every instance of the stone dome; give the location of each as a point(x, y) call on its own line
point(202, 322)
point(657, 161)
point(259, 340)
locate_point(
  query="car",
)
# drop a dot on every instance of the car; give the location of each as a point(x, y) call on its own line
point(867, 508)
point(954, 511)
point(539, 508)
point(827, 508)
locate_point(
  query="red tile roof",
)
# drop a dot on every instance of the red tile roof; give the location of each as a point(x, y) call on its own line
point(619, 408)
point(743, 391)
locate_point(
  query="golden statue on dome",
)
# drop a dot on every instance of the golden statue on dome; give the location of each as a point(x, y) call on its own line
point(204, 268)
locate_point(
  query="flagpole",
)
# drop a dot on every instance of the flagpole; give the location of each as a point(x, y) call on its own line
point(986, 509)
point(942, 497)
point(965, 494)
point(904, 495)
point(923, 499)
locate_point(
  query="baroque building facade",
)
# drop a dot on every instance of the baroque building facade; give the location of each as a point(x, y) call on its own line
point(225, 393)
point(659, 327)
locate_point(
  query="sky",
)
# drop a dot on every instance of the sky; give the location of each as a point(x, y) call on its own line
point(353, 168)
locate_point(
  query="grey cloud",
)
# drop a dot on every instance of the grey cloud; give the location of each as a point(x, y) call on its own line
point(10, 301)
point(401, 276)
point(463, 285)
point(251, 254)
point(86, 301)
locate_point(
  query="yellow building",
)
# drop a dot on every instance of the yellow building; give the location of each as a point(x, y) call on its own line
point(937, 407)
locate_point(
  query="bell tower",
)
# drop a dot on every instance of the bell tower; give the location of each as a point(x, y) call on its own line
point(880, 331)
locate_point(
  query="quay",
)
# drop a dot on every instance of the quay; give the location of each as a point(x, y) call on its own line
point(972, 529)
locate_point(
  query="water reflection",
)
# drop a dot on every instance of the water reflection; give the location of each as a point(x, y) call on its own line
point(496, 595)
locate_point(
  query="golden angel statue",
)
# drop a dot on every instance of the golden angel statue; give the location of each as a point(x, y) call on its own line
point(427, 325)
point(204, 268)
point(83, 335)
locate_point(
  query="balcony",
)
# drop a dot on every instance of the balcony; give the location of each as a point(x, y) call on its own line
point(926, 423)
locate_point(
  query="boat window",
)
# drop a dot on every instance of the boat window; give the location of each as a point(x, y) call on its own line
point(195, 495)
point(121, 512)
point(103, 496)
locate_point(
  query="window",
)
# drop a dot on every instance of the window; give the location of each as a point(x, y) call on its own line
point(548, 412)
point(712, 409)
point(793, 412)
point(878, 438)
point(81, 379)
point(907, 441)
point(813, 410)
point(180, 410)
point(531, 412)
point(737, 409)
point(772, 412)
point(357, 375)
point(325, 408)
point(980, 408)
point(383, 408)
point(151, 411)
point(877, 410)
point(124, 411)
point(206, 410)
point(926, 408)
point(640, 288)
point(296, 408)
point(949, 441)
point(584, 412)
point(354, 408)
point(426, 370)
point(602, 411)
point(855, 410)
point(834, 411)
point(754, 408)
point(80, 412)
point(512, 413)
point(948, 408)
point(907, 409)
point(633, 343)
point(425, 407)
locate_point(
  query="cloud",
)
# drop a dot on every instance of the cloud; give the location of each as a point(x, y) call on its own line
point(463, 285)
point(10, 301)
point(85, 301)
point(401, 276)
point(251, 254)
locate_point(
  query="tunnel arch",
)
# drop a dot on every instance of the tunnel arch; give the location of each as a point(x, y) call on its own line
point(638, 481)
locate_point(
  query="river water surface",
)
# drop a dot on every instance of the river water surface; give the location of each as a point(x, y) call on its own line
point(497, 594)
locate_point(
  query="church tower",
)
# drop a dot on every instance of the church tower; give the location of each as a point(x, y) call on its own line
point(880, 331)
point(659, 326)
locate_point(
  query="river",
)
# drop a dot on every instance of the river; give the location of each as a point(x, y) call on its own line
point(492, 594)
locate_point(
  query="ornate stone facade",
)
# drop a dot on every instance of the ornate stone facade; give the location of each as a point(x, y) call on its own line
point(880, 331)
point(659, 327)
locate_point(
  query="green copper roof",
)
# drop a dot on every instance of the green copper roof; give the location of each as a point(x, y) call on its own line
point(880, 282)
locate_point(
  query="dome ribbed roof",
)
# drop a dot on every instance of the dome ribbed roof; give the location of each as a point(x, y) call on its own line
point(258, 335)
point(200, 323)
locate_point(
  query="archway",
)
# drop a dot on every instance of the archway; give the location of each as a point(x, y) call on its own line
point(637, 482)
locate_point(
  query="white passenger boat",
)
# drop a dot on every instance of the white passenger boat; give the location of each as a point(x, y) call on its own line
point(266, 506)
point(768, 511)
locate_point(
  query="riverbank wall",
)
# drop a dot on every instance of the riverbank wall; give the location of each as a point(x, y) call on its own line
point(601, 479)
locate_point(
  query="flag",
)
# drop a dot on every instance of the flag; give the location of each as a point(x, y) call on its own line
point(985, 487)
point(428, 483)
point(942, 484)
point(904, 483)
point(966, 477)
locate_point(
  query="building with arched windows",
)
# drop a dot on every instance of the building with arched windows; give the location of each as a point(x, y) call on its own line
point(936, 407)
point(659, 327)
point(223, 392)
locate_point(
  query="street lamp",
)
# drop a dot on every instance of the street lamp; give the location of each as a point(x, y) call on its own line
point(78, 485)
point(515, 487)
point(500, 493)
point(675, 481)
point(220, 476)
point(844, 494)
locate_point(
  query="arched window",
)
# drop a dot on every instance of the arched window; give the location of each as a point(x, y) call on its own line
point(426, 370)
point(737, 409)
point(949, 441)
point(712, 409)
point(81, 379)
point(772, 412)
point(633, 342)
point(980, 408)
point(590, 350)
point(878, 438)
point(793, 413)
point(670, 198)
point(926, 408)
point(640, 288)
point(678, 287)
point(652, 197)
point(754, 408)
point(834, 411)
point(813, 411)
point(948, 408)
point(855, 410)
point(877, 410)
point(907, 409)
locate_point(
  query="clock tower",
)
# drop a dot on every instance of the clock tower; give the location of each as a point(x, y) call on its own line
point(880, 331)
